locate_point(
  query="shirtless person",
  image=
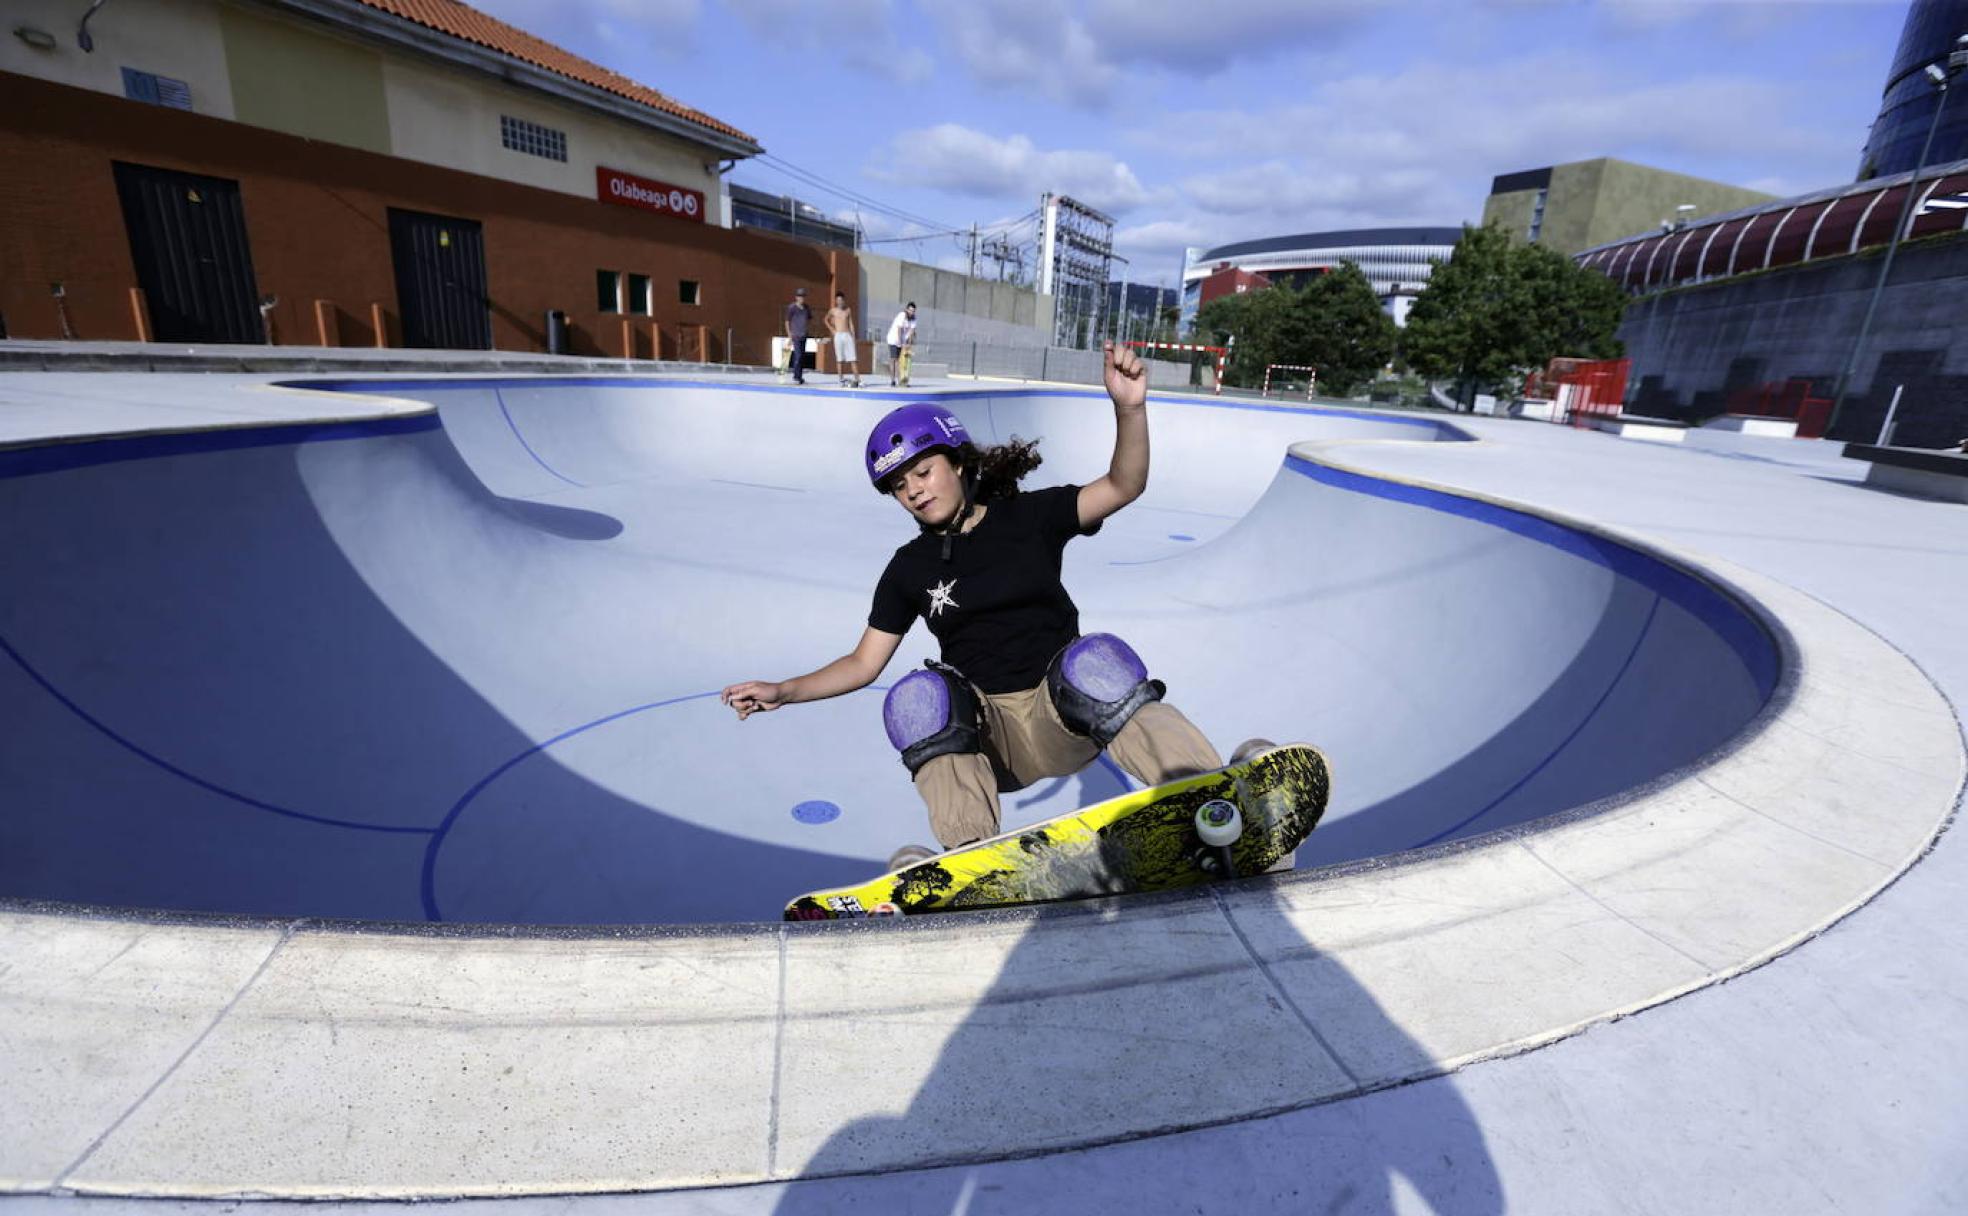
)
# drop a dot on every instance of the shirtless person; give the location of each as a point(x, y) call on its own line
point(840, 323)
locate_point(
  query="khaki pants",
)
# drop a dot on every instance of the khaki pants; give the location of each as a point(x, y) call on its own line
point(1023, 737)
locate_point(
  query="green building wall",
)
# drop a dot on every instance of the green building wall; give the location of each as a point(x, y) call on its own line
point(1590, 202)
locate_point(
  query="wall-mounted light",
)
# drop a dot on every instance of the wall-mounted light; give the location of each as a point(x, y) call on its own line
point(82, 38)
point(40, 40)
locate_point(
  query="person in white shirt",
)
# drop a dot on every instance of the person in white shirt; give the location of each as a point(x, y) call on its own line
point(901, 336)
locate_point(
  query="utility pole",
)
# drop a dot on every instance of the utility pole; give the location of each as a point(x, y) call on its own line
point(1938, 76)
point(973, 251)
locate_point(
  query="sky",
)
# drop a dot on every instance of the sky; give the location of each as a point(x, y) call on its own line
point(1199, 122)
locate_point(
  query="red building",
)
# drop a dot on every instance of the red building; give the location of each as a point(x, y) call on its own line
point(1228, 280)
point(372, 172)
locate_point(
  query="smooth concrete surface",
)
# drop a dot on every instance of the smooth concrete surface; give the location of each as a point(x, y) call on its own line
point(1944, 487)
point(49, 407)
point(1290, 1024)
point(464, 668)
point(1750, 424)
point(1653, 430)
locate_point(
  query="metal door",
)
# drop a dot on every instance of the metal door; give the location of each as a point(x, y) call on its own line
point(440, 281)
point(188, 240)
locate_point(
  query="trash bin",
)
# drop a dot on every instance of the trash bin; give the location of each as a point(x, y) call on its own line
point(556, 332)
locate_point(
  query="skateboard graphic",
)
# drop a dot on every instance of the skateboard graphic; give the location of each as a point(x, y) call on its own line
point(1231, 823)
point(902, 362)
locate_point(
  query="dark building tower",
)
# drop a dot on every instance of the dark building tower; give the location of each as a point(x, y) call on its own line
point(1907, 106)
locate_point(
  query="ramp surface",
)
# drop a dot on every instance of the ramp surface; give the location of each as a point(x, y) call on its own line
point(463, 665)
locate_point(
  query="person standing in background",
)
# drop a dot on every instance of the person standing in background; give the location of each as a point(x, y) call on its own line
point(840, 323)
point(901, 336)
point(797, 316)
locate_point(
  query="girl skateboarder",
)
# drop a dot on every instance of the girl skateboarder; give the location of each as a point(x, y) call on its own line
point(1019, 695)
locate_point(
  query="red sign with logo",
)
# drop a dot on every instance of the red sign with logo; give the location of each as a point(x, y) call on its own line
point(628, 190)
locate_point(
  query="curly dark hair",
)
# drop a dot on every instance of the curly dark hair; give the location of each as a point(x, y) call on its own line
point(995, 472)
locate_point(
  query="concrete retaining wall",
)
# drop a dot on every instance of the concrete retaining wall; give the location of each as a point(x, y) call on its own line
point(1693, 347)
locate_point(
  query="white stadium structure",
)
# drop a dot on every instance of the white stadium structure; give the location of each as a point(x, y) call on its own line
point(1396, 261)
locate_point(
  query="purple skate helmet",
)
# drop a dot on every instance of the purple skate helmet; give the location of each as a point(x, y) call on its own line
point(906, 433)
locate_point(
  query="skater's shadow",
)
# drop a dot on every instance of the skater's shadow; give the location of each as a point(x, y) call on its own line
point(1067, 1046)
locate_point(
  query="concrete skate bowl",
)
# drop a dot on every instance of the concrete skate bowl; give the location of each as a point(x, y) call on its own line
point(463, 666)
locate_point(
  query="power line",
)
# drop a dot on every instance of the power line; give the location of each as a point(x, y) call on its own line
point(1000, 232)
point(820, 183)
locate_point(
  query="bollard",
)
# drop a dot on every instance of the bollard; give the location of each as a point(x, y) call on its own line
point(556, 332)
point(139, 311)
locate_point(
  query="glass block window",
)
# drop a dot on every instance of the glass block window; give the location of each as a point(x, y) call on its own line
point(608, 290)
point(155, 89)
point(639, 301)
point(532, 138)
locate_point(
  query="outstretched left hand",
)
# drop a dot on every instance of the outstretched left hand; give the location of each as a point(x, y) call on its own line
point(1127, 379)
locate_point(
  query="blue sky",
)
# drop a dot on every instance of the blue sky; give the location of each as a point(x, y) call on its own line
point(1195, 122)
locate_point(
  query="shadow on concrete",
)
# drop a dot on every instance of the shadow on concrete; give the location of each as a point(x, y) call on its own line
point(568, 523)
point(209, 709)
point(1331, 1152)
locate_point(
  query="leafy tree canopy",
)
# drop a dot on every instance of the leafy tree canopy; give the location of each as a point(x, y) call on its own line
point(1497, 309)
point(1333, 323)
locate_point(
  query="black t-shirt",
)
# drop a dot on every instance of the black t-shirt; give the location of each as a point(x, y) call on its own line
point(997, 606)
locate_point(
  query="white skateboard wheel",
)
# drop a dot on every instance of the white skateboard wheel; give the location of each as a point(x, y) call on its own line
point(1219, 823)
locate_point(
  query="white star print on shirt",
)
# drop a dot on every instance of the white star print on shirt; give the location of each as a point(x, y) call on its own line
point(939, 597)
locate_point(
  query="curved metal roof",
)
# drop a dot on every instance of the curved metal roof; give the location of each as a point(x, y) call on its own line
point(1336, 240)
point(1824, 223)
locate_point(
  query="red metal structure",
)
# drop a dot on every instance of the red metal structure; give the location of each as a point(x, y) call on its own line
point(1784, 399)
point(1586, 388)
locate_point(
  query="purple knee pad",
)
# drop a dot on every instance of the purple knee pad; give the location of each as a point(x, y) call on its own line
point(1098, 683)
point(930, 713)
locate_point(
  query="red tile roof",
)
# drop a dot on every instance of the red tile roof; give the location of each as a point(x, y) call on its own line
point(465, 22)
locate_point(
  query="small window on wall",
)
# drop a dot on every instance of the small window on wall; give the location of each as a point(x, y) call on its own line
point(608, 290)
point(532, 138)
point(639, 301)
point(690, 291)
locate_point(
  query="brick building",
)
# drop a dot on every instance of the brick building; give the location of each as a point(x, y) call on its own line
point(368, 172)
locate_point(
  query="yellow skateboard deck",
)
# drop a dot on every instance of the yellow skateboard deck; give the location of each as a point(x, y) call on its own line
point(1148, 840)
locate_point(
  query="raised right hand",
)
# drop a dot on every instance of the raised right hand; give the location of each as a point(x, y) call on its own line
point(752, 697)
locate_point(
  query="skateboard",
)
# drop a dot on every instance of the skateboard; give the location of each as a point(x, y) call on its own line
point(902, 363)
point(1231, 823)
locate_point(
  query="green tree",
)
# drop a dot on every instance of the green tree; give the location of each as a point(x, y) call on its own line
point(1334, 323)
point(1497, 309)
point(1350, 337)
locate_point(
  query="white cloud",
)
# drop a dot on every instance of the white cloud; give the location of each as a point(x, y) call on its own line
point(959, 160)
point(862, 34)
point(1200, 40)
point(1083, 52)
point(1031, 44)
point(1419, 146)
point(1456, 120)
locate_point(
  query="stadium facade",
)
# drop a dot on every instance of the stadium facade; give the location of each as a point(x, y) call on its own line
point(1851, 295)
point(1397, 261)
point(1778, 295)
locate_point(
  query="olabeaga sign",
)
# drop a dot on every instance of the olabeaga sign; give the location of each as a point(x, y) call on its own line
point(628, 190)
